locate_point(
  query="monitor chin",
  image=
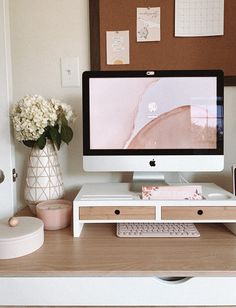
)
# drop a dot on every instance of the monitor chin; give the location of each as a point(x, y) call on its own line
point(152, 165)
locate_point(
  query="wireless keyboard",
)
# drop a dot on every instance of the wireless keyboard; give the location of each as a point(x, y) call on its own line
point(156, 230)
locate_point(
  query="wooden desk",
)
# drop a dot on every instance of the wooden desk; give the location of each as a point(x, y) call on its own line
point(100, 264)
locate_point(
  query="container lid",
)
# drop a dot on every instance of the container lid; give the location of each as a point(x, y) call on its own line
point(26, 237)
point(26, 227)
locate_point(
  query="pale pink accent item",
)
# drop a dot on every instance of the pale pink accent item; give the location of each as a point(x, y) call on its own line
point(189, 192)
point(56, 214)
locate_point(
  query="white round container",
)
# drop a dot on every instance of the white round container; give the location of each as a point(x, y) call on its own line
point(26, 237)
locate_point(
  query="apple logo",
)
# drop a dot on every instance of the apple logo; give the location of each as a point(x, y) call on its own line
point(152, 163)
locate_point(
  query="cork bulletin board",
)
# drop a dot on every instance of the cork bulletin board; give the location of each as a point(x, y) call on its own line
point(171, 53)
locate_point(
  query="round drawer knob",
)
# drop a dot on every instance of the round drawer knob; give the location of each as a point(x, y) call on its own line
point(200, 212)
point(2, 176)
point(117, 212)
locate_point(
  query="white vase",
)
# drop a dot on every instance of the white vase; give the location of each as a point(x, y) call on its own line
point(44, 179)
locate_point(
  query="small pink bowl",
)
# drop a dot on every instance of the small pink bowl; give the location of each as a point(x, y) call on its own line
point(56, 214)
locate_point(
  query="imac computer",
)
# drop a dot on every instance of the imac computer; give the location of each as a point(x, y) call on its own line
point(153, 121)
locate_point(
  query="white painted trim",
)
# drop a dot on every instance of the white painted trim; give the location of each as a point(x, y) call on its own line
point(7, 189)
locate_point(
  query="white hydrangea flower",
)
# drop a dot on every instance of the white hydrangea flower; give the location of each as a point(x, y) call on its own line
point(63, 108)
point(32, 114)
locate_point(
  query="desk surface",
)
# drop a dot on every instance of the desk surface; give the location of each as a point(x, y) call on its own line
point(99, 252)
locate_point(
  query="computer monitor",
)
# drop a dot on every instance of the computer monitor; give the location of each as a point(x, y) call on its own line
point(153, 121)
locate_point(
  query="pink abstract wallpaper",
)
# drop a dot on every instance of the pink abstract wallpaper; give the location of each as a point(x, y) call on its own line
point(152, 113)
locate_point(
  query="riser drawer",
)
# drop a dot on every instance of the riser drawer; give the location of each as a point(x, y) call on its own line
point(117, 212)
point(198, 213)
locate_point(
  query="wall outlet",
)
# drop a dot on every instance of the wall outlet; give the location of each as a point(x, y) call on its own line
point(70, 72)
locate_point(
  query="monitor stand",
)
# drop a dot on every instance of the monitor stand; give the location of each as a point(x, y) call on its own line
point(147, 178)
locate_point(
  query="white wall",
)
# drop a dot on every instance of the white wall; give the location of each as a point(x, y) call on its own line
point(43, 31)
point(224, 178)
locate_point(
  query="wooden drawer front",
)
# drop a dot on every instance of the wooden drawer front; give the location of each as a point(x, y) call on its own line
point(198, 213)
point(117, 212)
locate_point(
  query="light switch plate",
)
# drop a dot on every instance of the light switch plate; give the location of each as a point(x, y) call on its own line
point(70, 72)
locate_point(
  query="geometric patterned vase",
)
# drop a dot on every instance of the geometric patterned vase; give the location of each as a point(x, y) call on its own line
point(44, 179)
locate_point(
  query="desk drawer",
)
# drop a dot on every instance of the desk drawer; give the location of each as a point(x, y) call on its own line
point(198, 213)
point(117, 213)
point(120, 291)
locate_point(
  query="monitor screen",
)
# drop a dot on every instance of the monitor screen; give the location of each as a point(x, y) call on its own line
point(153, 116)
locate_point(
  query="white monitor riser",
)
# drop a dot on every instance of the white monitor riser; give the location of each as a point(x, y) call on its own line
point(116, 202)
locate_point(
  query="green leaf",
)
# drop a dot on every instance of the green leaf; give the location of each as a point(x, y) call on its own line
point(64, 121)
point(29, 143)
point(55, 136)
point(41, 142)
point(46, 132)
point(66, 134)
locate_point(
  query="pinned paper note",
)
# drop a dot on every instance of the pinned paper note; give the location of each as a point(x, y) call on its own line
point(148, 24)
point(199, 17)
point(117, 47)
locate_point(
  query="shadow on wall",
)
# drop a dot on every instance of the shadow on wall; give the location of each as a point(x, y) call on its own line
point(71, 193)
point(222, 179)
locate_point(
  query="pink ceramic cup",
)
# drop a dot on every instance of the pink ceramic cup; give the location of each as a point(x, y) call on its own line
point(55, 214)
